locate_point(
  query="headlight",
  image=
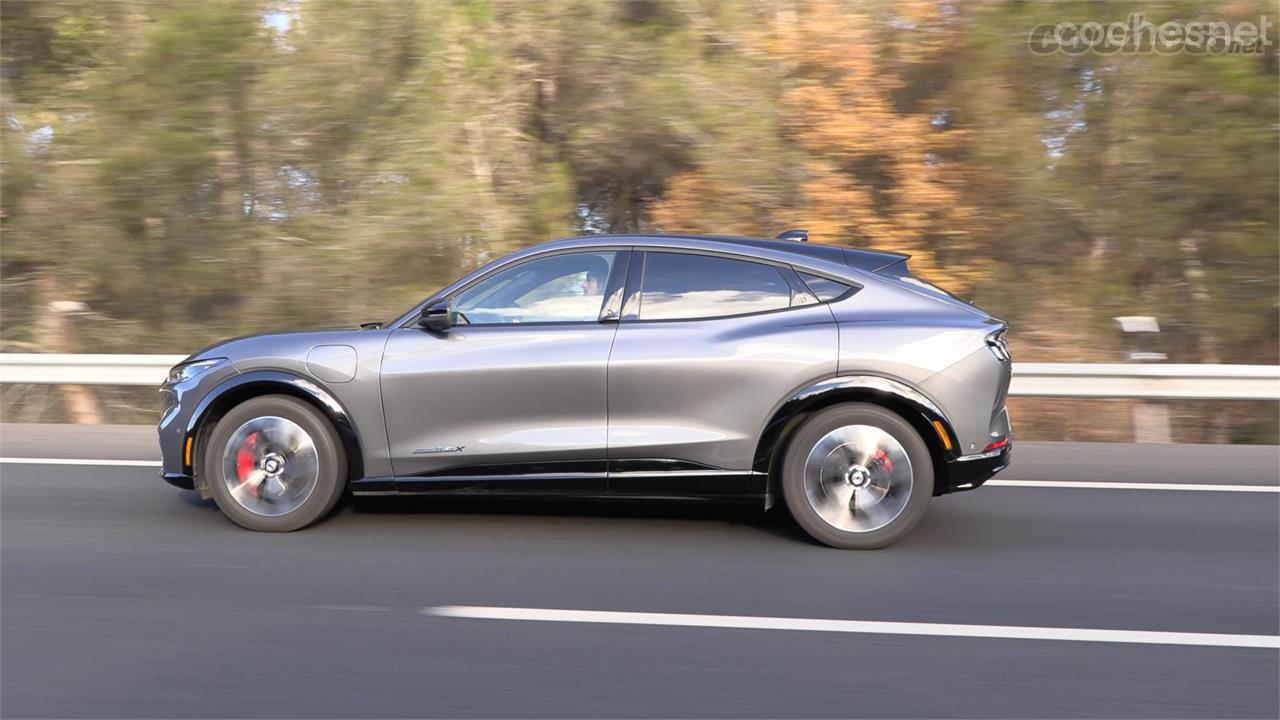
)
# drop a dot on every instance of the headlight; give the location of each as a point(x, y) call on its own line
point(189, 371)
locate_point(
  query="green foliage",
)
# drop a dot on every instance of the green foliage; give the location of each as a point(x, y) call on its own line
point(192, 170)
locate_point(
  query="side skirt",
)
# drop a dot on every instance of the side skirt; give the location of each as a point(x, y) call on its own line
point(637, 485)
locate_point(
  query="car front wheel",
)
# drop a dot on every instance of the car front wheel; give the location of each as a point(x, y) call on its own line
point(857, 476)
point(274, 464)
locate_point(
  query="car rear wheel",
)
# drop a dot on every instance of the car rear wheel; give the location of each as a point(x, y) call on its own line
point(274, 464)
point(857, 476)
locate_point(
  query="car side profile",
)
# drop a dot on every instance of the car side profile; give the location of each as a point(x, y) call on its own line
point(625, 366)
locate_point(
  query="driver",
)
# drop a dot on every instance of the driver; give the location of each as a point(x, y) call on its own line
point(597, 274)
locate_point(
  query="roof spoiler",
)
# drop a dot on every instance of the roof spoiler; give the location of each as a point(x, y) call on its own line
point(872, 260)
point(868, 260)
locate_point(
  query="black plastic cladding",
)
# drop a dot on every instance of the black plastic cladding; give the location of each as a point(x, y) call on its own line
point(891, 394)
point(255, 383)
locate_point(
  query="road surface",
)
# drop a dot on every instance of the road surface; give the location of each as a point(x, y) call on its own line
point(123, 597)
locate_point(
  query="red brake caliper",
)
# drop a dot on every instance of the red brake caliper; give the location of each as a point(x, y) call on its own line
point(245, 464)
point(883, 461)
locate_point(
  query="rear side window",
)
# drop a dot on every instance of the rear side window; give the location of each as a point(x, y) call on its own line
point(823, 289)
point(680, 286)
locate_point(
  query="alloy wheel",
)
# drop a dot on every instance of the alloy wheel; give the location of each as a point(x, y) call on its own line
point(270, 466)
point(858, 478)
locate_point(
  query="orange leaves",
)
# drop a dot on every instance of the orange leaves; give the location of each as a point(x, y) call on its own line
point(869, 166)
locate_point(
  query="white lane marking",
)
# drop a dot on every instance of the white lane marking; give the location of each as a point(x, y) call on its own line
point(1083, 485)
point(1134, 486)
point(1012, 632)
point(77, 461)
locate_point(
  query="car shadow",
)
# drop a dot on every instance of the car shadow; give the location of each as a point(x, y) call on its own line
point(775, 521)
point(192, 498)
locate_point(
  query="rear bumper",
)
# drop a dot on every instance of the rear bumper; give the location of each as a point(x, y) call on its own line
point(968, 473)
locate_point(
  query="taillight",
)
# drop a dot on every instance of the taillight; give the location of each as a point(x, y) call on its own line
point(996, 445)
point(998, 346)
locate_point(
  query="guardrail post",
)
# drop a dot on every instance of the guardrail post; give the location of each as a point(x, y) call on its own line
point(1150, 419)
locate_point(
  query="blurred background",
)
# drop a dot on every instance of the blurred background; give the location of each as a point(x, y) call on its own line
point(175, 173)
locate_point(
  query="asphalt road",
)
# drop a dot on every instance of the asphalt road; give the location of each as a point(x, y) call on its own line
point(121, 596)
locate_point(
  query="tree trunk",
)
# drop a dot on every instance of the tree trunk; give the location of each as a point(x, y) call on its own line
point(1206, 341)
point(54, 334)
point(482, 168)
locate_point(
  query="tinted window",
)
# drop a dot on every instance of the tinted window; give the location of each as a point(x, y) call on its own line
point(680, 286)
point(825, 290)
point(560, 288)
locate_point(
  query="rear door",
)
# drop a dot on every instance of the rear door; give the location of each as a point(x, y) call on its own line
point(708, 347)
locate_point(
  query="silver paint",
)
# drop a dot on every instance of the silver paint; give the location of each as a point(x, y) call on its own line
point(700, 391)
point(509, 393)
point(332, 363)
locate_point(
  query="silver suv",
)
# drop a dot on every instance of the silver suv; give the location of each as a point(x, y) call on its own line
point(626, 367)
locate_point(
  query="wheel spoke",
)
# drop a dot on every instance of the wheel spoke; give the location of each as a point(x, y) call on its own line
point(876, 514)
point(249, 485)
point(274, 486)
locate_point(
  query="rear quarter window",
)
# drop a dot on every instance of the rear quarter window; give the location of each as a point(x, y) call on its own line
point(825, 289)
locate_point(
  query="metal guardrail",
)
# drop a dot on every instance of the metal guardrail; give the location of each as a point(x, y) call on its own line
point(1095, 380)
point(57, 369)
point(1149, 382)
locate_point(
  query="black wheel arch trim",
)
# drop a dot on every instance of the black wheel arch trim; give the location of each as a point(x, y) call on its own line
point(238, 388)
point(914, 406)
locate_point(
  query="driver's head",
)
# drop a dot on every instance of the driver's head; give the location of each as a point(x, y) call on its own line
point(597, 274)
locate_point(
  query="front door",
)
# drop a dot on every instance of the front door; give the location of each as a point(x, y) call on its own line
point(515, 391)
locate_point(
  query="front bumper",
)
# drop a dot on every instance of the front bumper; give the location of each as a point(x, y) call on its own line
point(969, 473)
point(180, 404)
point(172, 433)
point(179, 480)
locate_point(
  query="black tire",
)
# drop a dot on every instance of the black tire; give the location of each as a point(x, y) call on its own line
point(816, 429)
point(330, 466)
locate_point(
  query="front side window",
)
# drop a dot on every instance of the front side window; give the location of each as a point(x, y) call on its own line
point(680, 286)
point(557, 289)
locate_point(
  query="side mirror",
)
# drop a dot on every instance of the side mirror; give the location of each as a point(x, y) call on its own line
point(435, 317)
